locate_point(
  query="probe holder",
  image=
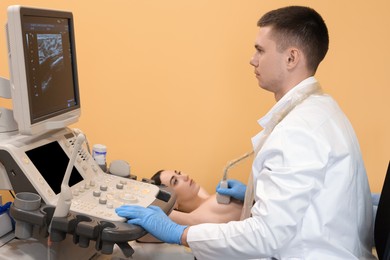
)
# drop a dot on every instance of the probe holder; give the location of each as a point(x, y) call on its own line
point(85, 228)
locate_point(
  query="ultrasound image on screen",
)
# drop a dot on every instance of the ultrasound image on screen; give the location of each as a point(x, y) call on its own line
point(50, 77)
point(51, 58)
point(51, 161)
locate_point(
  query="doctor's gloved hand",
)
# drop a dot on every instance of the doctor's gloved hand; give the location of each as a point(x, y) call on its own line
point(235, 189)
point(154, 221)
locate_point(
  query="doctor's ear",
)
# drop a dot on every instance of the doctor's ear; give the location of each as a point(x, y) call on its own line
point(293, 57)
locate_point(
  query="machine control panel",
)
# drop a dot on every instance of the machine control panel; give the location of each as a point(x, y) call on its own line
point(99, 197)
point(40, 163)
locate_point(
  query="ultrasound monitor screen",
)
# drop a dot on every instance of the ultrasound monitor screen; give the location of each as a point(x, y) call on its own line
point(49, 66)
point(51, 161)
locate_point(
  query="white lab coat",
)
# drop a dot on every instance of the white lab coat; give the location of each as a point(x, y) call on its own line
point(312, 198)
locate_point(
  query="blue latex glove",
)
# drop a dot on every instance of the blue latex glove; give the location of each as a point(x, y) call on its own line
point(153, 220)
point(236, 189)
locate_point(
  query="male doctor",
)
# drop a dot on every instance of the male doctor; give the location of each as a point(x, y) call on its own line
point(308, 196)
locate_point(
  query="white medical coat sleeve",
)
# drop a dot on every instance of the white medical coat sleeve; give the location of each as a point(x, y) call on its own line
point(310, 192)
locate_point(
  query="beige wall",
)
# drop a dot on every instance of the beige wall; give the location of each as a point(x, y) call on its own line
point(167, 84)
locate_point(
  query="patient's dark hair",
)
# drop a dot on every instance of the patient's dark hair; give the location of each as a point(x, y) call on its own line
point(156, 177)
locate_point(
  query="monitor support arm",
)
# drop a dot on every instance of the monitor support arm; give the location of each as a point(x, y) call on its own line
point(7, 121)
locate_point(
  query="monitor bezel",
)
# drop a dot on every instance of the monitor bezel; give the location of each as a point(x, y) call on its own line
point(18, 73)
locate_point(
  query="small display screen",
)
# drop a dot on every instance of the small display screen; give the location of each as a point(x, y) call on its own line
point(51, 161)
point(50, 66)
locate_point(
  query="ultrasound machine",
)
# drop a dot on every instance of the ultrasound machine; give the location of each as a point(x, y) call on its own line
point(63, 200)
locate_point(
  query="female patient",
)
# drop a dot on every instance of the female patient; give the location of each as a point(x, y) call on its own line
point(193, 204)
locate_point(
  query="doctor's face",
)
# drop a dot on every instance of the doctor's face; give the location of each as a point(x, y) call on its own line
point(184, 187)
point(268, 61)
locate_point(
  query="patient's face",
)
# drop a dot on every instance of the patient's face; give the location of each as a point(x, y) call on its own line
point(184, 187)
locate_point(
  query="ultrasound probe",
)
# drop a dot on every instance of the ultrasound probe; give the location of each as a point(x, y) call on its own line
point(225, 199)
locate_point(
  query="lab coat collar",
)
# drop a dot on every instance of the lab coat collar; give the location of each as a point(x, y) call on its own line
point(263, 122)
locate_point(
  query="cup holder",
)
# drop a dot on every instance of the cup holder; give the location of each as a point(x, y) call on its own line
point(25, 202)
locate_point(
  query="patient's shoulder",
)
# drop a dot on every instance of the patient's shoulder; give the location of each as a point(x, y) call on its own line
point(231, 211)
point(209, 212)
